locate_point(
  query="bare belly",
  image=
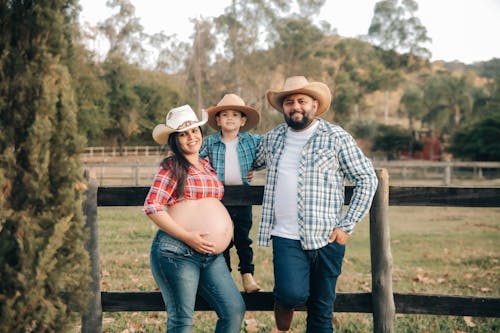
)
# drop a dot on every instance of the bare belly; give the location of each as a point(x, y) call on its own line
point(207, 216)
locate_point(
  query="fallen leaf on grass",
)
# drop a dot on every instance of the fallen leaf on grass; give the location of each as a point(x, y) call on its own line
point(154, 320)
point(253, 325)
point(468, 321)
point(365, 286)
point(441, 280)
point(423, 279)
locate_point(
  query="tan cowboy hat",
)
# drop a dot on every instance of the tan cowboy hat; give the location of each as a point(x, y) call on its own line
point(299, 85)
point(178, 119)
point(234, 102)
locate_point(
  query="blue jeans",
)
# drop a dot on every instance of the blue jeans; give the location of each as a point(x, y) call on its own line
point(307, 277)
point(181, 273)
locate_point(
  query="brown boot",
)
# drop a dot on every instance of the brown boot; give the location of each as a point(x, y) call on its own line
point(283, 317)
point(249, 283)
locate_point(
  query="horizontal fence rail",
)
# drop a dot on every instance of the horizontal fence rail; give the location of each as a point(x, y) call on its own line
point(345, 302)
point(237, 195)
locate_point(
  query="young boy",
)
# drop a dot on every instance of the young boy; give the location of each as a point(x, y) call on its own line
point(231, 152)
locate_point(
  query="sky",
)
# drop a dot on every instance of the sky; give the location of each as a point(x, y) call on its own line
point(463, 30)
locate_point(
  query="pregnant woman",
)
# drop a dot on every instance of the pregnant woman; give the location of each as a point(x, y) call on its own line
point(194, 229)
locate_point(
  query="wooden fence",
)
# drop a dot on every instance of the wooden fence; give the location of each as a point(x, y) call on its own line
point(123, 151)
point(141, 173)
point(382, 302)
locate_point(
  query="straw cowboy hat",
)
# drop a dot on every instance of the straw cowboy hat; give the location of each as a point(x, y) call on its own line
point(236, 103)
point(178, 119)
point(299, 85)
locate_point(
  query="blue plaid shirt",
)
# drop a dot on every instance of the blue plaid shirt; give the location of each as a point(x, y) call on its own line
point(215, 150)
point(329, 158)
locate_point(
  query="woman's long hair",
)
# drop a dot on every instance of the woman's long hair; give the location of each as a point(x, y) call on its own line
point(180, 165)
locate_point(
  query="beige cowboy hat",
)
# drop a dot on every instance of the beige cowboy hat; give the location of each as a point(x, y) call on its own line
point(178, 119)
point(234, 102)
point(299, 85)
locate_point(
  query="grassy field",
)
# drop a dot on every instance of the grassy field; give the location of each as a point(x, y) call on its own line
point(441, 250)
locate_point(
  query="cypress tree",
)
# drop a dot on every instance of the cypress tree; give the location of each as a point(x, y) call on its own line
point(44, 268)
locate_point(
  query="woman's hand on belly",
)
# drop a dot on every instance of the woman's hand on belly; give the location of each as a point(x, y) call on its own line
point(206, 218)
point(197, 240)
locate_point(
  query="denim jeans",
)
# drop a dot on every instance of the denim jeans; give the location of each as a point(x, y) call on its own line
point(181, 273)
point(307, 277)
point(242, 221)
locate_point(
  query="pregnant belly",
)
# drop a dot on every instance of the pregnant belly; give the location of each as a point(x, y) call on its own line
point(205, 216)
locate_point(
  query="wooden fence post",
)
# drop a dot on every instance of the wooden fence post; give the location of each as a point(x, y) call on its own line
point(92, 319)
point(384, 310)
point(447, 174)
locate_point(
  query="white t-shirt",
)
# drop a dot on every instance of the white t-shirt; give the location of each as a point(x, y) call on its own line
point(285, 200)
point(232, 171)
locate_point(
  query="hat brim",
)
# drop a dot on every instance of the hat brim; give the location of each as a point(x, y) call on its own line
point(161, 132)
point(316, 90)
point(253, 116)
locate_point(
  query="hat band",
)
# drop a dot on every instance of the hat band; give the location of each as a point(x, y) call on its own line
point(186, 124)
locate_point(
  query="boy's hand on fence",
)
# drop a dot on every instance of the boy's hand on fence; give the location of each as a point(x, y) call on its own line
point(250, 175)
point(339, 236)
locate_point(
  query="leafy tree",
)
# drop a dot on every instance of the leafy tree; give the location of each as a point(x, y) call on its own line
point(394, 26)
point(198, 75)
point(123, 101)
point(156, 94)
point(479, 140)
point(448, 101)
point(412, 104)
point(245, 23)
point(347, 98)
point(355, 70)
point(365, 129)
point(245, 29)
point(487, 100)
point(341, 59)
point(124, 32)
point(44, 268)
point(171, 52)
point(91, 89)
point(295, 46)
point(393, 140)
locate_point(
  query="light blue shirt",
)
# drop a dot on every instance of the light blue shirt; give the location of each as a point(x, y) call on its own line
point(215, 150)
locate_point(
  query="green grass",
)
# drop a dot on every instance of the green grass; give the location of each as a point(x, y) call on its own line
point(437, 250)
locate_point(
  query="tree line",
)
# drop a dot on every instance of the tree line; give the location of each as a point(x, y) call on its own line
point(254, 45)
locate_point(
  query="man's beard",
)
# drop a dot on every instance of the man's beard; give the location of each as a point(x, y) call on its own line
point(298, 125)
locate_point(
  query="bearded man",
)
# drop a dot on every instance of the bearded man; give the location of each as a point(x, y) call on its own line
point(308, 161)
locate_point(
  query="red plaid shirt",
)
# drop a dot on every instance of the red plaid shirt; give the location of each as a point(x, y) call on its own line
point(199, 184)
